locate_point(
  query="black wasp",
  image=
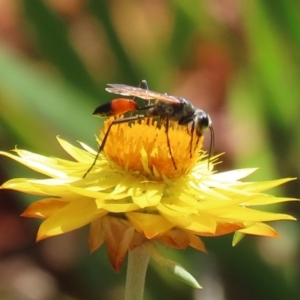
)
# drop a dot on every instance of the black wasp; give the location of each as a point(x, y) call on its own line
point(163, 106)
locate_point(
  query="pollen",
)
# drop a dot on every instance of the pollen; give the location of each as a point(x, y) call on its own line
point(141, 148)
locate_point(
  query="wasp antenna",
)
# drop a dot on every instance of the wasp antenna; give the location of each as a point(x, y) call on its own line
point(212, 143)
point(144, 85)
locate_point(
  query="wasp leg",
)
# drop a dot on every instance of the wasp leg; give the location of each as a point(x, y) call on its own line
point(192, 137)
point(169, 144)
point(185, 121)
point(197, 142)
point(118, 121)
point(143, 85)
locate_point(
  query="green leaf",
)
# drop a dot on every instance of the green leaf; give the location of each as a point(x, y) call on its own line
point(43, 105)
point(237, 237)
point(53, 41)
point(172, 267)
point(100, 9)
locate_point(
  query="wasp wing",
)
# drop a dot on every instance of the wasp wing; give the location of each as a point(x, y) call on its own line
point(127, 90)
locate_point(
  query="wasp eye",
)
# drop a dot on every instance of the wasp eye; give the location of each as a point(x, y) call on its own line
point(203, 121)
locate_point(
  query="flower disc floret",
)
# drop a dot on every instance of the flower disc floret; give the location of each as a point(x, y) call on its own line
point(141, 148)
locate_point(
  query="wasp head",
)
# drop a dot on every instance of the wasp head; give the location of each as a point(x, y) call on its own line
point(202, 122)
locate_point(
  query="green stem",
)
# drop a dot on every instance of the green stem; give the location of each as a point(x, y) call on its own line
point(138, 260)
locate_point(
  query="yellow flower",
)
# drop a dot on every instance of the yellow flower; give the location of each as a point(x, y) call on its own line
point(135, 195)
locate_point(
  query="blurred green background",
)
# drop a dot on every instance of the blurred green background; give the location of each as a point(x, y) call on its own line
point(238, 60)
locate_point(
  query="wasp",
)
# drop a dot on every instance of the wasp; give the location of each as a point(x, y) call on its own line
point(156, 105)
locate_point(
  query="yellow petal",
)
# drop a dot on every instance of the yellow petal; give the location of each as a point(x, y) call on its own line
point(176, 205)
point(200, 223)
point(232, 175)
point(260, 229)
point(246, 214)
point(206, 192)
point(54, 187)
point(116, 207)
point(176, 238)
point(124, 184)
point(118, 236)
point(86, 191)
point(224, 228)
point(265, 199)
point(97, 235)
point(37, 163)
point(101, 181)
point(77, 153)
point(30, 156)
point(44, 208)
point(213, 204)
point(257, 187)
point(74, 215)
point(196, 242)
point(88, 148)
point(150, 224)
point(146, 194)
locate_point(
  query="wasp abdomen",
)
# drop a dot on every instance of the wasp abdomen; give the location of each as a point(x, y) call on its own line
point(116, 107)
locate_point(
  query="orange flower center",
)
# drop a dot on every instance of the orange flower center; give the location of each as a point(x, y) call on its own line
point(141, 147)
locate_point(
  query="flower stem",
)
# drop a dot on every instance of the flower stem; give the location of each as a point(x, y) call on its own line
point(138, 260)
